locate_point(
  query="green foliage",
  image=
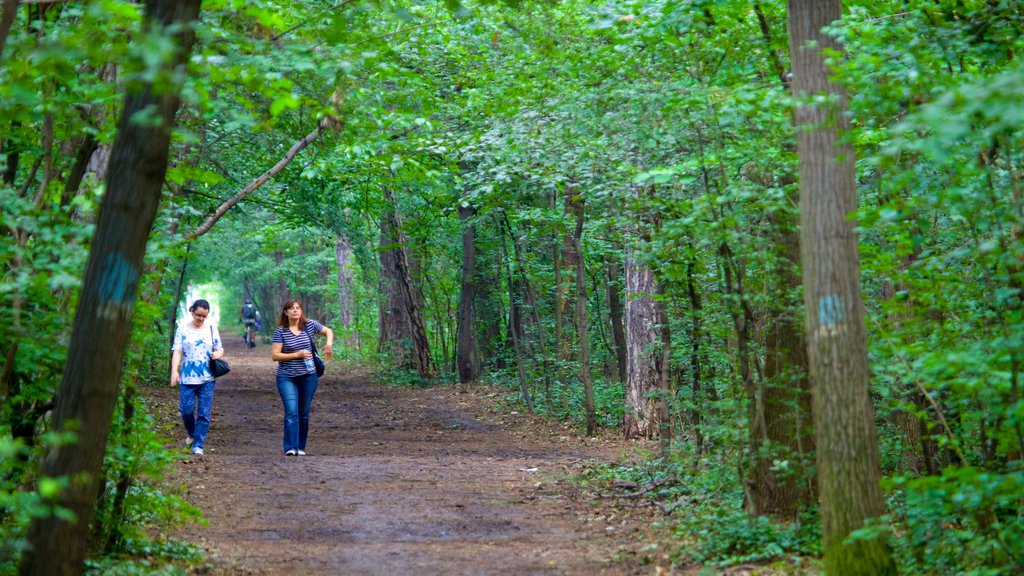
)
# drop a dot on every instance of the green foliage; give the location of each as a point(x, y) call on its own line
point(705, 512)
point(965, 521)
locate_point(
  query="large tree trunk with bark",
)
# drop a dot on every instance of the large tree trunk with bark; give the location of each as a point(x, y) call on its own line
point(467, 361)
point(643, 351)
point(787, 432)
point(402, 330)
point(88, 392)
point(846, 439)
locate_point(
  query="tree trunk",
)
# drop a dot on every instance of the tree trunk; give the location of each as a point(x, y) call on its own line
point(643, 351)
point(514, 307)
point(586, 377)
point(8, 10)
point(696, 337)
point(88, 392)
point(846, 439)
point(532, 301)
point(614, 267)
point(346, 291)
point(468, 361)
point(787, 433)
point(401, 317)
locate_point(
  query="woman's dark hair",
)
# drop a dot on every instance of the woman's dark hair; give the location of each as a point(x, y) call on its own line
point(283, 320)
point(199, 304)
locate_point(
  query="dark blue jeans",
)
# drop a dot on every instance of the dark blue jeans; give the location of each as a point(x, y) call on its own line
point(197, 422)
point(296, 395)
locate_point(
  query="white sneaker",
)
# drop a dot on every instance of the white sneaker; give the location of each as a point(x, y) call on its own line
point(197, 451)
point(302, 452)
point(290, 453)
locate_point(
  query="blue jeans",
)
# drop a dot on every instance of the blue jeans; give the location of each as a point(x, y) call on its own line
point(296, 395)
point(197, 422)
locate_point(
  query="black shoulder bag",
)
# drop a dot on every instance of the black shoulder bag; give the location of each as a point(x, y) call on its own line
point(217, 367)
point(320, 367)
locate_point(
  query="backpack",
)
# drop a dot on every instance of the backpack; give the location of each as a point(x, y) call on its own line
point(249, 311)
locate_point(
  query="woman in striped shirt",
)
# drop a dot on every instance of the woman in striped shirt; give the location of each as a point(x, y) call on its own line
point(292, 349)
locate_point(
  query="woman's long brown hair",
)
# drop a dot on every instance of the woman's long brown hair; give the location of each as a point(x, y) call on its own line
point(283, 320)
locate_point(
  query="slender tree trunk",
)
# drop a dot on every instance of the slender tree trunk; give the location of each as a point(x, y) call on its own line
point(696, 337)
point(533, 302)
point(665, 370)
point(643, 351)
point(88, 392)
point(572, 206)
point(615, 309)
point(346, 290)
point(586, 377)
point(516, 345)
point(466, 346)
point(488, 308)
point(846, 440)
point(558, 307)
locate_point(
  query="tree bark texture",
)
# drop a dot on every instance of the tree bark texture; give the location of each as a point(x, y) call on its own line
point(8, 10)
point(468, 360)
point(846, 440)
point(615, 313)
point(643, 351)
point(88, 391)
point(787, 433)
point(401, 319)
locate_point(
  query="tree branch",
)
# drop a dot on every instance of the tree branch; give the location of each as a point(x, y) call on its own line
point(297, 147)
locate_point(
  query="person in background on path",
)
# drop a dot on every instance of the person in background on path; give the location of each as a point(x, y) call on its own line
point(195, 343)
point(250, 316)
point(291, 347)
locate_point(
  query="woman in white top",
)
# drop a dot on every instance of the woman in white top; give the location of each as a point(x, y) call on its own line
point(195, 343)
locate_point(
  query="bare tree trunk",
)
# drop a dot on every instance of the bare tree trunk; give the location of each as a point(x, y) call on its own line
point(405, 315)
point(614, 268)
point(513, 311)
point(586, 377)
point(846, 440)
point(468, 361)
point(696, 338)
point(558, 306)
point(643, 351)
point(533, 302)
point(8, 10)
point(88, 392)
point(346, 289)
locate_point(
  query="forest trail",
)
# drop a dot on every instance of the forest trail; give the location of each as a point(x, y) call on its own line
point(397, 481)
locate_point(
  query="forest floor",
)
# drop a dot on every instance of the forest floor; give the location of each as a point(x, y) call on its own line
point(437, 480)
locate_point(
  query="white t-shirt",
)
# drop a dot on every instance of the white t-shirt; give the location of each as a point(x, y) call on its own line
point(196, 348)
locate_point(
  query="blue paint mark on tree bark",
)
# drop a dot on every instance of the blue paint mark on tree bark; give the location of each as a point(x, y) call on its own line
point(118, 282)
point(830, 310)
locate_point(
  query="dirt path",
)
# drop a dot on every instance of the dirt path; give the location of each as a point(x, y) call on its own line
point(397, 481)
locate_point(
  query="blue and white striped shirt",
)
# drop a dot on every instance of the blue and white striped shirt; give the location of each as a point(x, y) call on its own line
point(291, 342)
